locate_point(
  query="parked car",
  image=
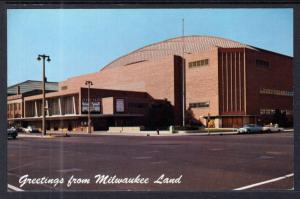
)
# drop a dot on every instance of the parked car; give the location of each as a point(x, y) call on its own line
point(31, 129)
point(272, 128)
point(12, 132)
point(18, 129)
point(250, 128)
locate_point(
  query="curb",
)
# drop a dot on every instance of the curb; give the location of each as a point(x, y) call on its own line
point(36, 136)
point(141, 134)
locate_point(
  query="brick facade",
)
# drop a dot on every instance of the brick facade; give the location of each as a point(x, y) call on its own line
point(224, 80)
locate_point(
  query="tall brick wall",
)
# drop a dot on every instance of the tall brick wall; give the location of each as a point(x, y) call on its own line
point(278, 76)
point(202, 83)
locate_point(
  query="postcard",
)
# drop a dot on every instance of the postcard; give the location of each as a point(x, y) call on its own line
point(150, 99)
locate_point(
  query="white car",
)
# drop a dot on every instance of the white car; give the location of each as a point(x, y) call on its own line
point(31, 129)
point(270, 128)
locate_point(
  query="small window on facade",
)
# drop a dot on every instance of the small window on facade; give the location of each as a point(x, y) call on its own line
point(199, 105)
point(206, 62)
point(262, 64)
point(202, 62)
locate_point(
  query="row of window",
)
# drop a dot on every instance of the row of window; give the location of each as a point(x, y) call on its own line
point(34, 108)
point(262, 63)
point(199, 105)
point(14, 107)
point(275, 92)
point(202, 62)
point(259, 63)
point(272, 111)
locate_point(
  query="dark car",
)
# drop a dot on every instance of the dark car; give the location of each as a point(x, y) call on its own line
point(12, 132)
point(250, 128)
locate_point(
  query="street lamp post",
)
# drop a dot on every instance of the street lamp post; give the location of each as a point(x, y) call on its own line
point(39, 58)
point(89, 84)
point(183, 77)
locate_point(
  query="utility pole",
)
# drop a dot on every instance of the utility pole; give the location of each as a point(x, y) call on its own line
point(89, 84)
point(183, 76)
point(39, 58)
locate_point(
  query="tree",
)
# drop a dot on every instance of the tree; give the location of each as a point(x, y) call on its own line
point(279, 118)
point(190, 118)
point(160, 114)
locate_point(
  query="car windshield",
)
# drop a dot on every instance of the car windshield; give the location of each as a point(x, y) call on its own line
point(249, 125)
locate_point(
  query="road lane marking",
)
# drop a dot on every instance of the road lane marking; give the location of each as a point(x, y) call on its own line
point(264, 182)
point(142, 157)
point(14, 188)
point(265, 157)
point(159, 162)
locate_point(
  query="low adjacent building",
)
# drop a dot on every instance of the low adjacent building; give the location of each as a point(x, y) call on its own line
point(16, 94)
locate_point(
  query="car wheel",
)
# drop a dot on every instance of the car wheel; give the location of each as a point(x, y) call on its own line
point(14, 137)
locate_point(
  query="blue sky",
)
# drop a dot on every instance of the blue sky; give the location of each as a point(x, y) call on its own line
point(83, 41)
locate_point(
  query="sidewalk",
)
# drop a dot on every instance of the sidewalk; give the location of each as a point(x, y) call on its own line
point(37, 135)
point(52, 134)
point(105, 133)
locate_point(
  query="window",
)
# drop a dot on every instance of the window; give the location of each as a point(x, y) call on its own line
point(289, 112)
point(53, 106)
point(262, 64)
point(119, 105)
point(206, 62)
point(67, 105)
point(267, 111)
point(197, 63)
point(276, 92)
point(199, 105)
point(262, 111)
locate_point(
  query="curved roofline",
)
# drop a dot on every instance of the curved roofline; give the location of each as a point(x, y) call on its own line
point(167, 40)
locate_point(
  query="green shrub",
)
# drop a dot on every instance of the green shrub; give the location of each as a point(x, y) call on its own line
point(186, 128)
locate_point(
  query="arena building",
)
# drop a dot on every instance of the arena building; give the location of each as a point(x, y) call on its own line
point(225, 81)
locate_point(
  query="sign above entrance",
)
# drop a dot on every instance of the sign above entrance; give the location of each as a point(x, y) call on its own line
point(95, 106)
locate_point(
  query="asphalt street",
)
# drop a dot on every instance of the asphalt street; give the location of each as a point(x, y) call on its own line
point(200, 163)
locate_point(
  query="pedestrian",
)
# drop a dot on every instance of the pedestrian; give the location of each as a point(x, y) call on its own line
point(157, 131)
point(68, 131)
